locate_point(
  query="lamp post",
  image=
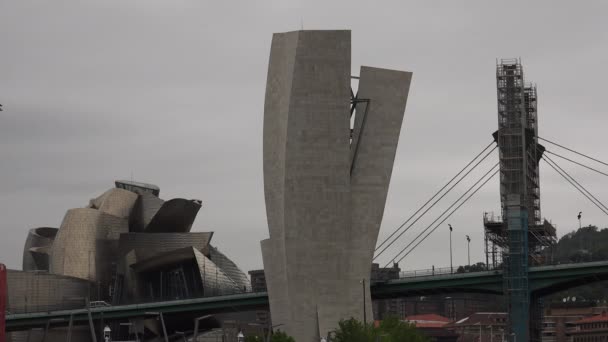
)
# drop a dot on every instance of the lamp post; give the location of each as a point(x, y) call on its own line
point(579, 219)
point(107, 334)
point(469, 250)
point(451, 265)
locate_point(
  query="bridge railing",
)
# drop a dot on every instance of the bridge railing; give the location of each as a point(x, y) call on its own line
point(81, 302)
point(429, 272)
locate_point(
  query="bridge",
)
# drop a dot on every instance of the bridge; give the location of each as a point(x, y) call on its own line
point(544, 280)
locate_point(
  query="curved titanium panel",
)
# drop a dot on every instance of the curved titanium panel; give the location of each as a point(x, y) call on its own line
point(148, 245)
point(215, 281)
point(230, 269)
point(176, 215)
point(83, 244)
point(42, 291)
point(146, 207)
point(117, 202)
point(38, 237)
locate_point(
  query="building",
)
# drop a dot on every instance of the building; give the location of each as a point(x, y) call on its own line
point(126, 246)
point(481, 326)
point(325, 180)
point(559, 317)
point(434, 327)
point(590, 329)
point(258, 281)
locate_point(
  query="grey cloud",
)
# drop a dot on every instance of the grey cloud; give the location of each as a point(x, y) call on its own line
point(172, 92)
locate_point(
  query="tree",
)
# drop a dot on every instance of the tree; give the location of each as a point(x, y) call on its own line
point(389, 330)
point(254, 338)
point(280, 336)
point(478, 267)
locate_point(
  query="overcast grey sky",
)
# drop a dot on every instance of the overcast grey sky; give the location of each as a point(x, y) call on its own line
point(172, 92)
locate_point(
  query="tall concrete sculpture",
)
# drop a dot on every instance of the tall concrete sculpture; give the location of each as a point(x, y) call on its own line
point(325, 184)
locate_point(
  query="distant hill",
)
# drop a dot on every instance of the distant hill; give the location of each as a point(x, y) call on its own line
point(583, 245)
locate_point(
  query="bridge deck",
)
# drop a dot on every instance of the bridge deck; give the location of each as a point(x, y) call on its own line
point(543, 280)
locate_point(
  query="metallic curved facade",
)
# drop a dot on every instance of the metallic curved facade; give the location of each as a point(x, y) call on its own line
point(36, 249)
point(146, 207)
point(176, 215)
point(147, 245)
point(116, 202)
point(126, 246)
point(215, 282)
point(42, 291)
point(230, 269)
point(83, 244)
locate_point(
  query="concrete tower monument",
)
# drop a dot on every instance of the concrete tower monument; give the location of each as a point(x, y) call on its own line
point(328, 159)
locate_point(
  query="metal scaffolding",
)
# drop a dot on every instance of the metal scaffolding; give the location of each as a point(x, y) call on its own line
point(520, 153)
point(519, 236)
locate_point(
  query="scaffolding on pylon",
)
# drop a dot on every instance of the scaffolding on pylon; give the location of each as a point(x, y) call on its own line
point(518, 237)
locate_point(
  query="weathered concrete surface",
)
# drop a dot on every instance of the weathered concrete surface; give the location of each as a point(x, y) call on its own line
point(317, 254)
point(377, 135)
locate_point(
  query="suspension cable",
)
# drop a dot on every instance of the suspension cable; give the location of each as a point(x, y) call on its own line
point(577, 183)
point(450, 214)
point(434, 203)
point(573, 151)
point(430, 199)
point(574, 185)
point(445, 211)
point(577, 163)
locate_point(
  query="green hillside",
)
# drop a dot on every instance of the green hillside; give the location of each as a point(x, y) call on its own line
point(583, 245)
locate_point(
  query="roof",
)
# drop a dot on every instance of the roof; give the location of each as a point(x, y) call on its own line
point(483, 318)
point(603, 317)
point(428, 320)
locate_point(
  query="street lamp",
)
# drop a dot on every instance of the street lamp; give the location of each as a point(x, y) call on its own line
point(451, 265)
point(469, 250)
point(579, 219)
point(107, 332)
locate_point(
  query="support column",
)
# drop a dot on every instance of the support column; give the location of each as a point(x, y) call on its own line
point(516, 272)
